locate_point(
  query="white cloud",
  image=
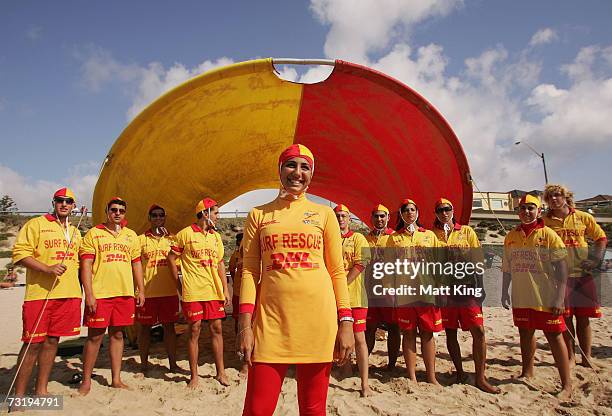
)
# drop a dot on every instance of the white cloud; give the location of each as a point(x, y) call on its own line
point(543, 36)
point(35, 194)
point(144, 83)
point(358, 28)
point(34, 32)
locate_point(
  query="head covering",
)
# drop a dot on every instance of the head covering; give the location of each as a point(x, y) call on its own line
point(341, 207)
point(206, 203)
point(380, 207)
point(64, 193)
point(296, 150)
point(116, 199)
point(154, 207)
point(442, 201)
point(530, 199)
point(408, 201)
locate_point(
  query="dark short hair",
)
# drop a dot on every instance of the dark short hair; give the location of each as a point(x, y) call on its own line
point(116, 201)
point(239, 236)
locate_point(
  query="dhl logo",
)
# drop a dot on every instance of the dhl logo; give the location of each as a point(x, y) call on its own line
point(291, 260)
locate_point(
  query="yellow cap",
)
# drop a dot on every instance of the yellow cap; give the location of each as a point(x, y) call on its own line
point(341, 207)
point(205, 204)
point(380, 207)
point(530, 199)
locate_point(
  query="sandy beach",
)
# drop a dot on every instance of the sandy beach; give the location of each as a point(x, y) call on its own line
point(164, 393)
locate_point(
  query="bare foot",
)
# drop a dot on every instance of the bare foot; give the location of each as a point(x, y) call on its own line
point(389, 367)
point(433, 381)
point(365, 391)
point(572, 362)
point(174, 368)
point(244, 371)
point(526, 375)
point(222, 379)
point(412, 378)
point(586, 362)
point(565, 395)
point(193, 383)
point(144, 368)
point(486, 387)
point(84, 388)
point(120, 385)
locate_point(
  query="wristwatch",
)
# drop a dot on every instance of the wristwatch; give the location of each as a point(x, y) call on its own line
point(346, 318)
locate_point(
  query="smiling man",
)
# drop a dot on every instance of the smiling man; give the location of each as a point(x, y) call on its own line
point(110, 268)
point(48, 247)
point(535, 262)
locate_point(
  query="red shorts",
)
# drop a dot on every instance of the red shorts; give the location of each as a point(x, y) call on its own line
point(380, 314)
point(163, 310)
point(61, 318)
point(203, 310)
point(426, 318)
point(581, 297)
point(464, 317)
point(117, 311)
point(532, 319)
point(235, 306)
point(360, 316)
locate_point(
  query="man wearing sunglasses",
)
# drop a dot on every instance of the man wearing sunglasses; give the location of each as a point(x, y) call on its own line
point(47, 247)
point(162, 303)
point(110, 268)
point(381, 312)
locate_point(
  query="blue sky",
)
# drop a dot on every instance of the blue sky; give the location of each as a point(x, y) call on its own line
point(72, 75)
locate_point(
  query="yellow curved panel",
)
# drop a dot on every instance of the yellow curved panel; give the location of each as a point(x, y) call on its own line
point(217, 135)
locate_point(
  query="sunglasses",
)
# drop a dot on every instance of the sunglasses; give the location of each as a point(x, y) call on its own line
point(443, 209)
point(117, 210)
point(157, 215)
point(68, 201)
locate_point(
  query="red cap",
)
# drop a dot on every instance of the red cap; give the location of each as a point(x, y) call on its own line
point(64, 193)
point(341, 207)
point(297, 150)
point(154, 207)
point(205, 204)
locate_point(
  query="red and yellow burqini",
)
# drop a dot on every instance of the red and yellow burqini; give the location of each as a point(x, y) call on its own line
point(220, 134)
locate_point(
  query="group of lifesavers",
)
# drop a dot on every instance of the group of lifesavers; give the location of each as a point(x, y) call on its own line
point(296, 261)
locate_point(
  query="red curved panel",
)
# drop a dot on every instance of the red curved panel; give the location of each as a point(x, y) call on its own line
point(375, 140)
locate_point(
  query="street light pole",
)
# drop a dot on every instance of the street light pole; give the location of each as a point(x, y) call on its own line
point(540, 155)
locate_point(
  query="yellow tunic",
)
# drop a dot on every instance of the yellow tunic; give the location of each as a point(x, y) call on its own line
point(355, 251)
point(113, 258)
point(158, 280)
point(200, 253)
point(44, 239)
point(528, 259)
point(293, 249)
point(573, 229)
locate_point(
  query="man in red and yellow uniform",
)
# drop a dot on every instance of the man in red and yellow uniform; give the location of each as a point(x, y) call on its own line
point(574, 226)
point(356, 254)
point(463, 311)
point(162, 303)
point(48, 247)
point(110, 268)
point(535, 262)
point(414, 243)
point(205, 292)
point(381, 313)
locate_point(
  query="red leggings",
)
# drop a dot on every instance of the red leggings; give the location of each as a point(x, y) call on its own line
point(265, 382)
